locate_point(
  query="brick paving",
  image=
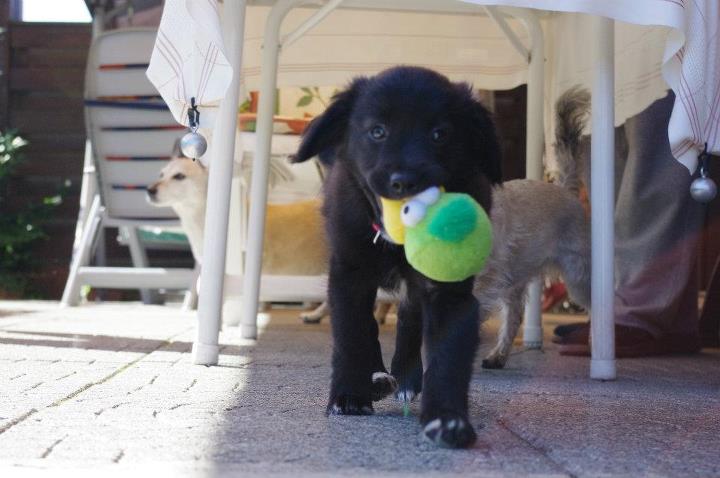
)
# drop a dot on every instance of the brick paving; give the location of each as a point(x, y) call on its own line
point(111, 387)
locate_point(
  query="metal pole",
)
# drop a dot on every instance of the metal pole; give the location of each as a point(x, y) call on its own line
point(535, 145)
point(205, 348)
point(261, 167)
point(602, 364)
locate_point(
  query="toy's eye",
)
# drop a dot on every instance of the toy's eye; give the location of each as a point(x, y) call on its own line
point(179, 176)
point(412, 213)
point(378, 132)
point(429, 196)
point(439, 135)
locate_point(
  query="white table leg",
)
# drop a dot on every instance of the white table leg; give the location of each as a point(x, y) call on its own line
point(205, 348)
point(602, 364)
point(534, 144)
point(234, 260)
point(260, 170)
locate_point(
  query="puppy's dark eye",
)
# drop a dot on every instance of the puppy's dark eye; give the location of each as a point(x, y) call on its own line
point(439, 135)
point(378, 132)
point(179, 177)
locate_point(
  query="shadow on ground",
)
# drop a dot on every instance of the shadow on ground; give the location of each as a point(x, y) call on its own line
point(541, 415)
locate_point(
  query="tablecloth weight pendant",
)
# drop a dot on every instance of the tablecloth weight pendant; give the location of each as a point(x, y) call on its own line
point(193, 144)
point(703, 189)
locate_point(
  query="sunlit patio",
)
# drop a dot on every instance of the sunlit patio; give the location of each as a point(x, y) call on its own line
point(113, 385)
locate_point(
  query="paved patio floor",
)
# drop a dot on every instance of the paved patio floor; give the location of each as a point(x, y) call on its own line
point(113, 386)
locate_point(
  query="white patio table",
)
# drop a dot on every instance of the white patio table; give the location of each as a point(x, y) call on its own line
point(193, 62)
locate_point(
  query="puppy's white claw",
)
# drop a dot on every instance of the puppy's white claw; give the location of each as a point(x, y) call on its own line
point(405, 396)
point(450, 433)
point(432, 426)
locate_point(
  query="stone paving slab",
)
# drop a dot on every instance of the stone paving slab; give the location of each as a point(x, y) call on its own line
point(111, 389)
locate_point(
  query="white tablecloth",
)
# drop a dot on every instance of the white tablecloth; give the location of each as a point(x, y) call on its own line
point(659, 44)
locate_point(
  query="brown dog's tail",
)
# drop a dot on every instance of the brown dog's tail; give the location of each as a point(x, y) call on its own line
point(572, 109)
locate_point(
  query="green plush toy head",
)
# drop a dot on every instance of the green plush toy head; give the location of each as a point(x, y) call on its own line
point(448, 236)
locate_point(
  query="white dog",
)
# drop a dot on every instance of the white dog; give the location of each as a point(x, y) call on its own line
point(294, 239)
point(293, 243)
point(183, 186)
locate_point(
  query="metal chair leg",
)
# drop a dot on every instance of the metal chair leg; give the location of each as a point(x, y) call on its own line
point(71, 294)
point(139, 259)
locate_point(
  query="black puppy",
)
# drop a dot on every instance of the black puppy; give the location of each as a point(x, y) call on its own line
point(394, 135)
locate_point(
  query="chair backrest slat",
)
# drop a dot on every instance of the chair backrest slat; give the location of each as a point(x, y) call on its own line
point(131, 131)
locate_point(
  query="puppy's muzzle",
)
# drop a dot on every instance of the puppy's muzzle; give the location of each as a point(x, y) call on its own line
point(404, 184)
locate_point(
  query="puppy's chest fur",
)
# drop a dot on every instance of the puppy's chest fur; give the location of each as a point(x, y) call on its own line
point(349, 219)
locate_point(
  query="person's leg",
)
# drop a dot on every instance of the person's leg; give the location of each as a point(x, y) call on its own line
point(657, 228)
point(581, 330)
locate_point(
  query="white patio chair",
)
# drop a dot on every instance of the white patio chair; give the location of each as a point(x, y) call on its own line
point(132, 136)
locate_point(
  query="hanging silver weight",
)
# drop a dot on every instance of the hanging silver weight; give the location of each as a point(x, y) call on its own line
point(703, 189)
point(193, 144)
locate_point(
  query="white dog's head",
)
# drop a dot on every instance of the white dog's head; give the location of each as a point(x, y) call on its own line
point(183, 183)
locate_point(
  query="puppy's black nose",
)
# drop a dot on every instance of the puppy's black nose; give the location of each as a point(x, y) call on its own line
point(403, 183)
point(152, 190)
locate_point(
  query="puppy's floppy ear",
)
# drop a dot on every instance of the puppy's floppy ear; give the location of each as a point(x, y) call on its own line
point(485, 144)
point(326, 132)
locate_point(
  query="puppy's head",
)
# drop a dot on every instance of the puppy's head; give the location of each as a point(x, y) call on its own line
point(182, 182)
point(405, 130)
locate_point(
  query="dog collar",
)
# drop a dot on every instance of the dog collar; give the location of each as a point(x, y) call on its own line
point(378, 232)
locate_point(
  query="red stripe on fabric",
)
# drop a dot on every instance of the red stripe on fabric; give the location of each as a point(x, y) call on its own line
point(203, 72)
point(679, 3)
point(685, 149)
point(122, 66)
point(143, 128)
point(162, 48)
point(681, 148)
point(172, 51)
point(137, 158)
point(696, 128)
point(211, 67)
point(713, 111)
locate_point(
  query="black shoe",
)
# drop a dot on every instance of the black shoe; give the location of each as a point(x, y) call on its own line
point(565, 329)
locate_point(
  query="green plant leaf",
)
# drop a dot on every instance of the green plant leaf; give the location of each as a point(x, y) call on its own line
point(305, 100)
point(23, 227)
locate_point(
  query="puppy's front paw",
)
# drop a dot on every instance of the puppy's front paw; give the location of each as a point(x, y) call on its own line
point(494, 361)
point(409, 384)
point(345, 404)
point(383, 384)
point(450, 432)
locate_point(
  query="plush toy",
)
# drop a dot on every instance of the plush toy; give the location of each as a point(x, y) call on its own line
point(447, 236)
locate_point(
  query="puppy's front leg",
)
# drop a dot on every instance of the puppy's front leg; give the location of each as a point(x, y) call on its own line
point(356, 352)
point(451, 326)
point(407, 362)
